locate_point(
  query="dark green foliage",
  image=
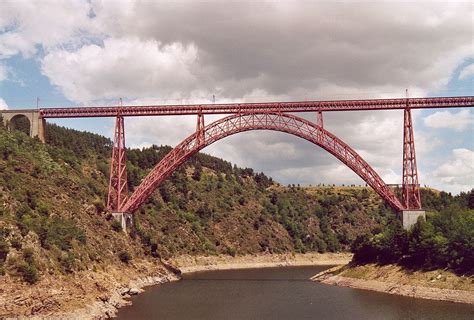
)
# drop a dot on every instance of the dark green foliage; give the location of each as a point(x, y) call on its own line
point(28, 255)
point(443, 200)
point(61, 232)
point(43, 209)
point(116, 225)
point(27, 268)
point(67, 261)
point(444, 240)
point(206, 206)
point(80, 143)
point(124, 256)
point(4, 249)
point(471, 200)
point(20, 123)
point(53, 231)
point(165, 192)
point(204, 212)
point(197, 172)
point(28, 271)
point(263, 181)
point(99, 206)
point(385, 247)
point(16, 243)
point(231, 251)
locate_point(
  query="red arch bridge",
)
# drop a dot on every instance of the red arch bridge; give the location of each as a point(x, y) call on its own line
point(241, 117)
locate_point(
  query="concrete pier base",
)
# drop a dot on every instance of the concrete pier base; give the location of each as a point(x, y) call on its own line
point(125, 219)
point(410, 217)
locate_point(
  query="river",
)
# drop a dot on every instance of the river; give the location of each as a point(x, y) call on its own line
point(278, 293)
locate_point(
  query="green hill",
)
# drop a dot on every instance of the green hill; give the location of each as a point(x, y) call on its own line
point(53, 218)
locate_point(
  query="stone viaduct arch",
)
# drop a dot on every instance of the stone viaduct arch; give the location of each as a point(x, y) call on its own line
point(206, 135)
point(37, 123)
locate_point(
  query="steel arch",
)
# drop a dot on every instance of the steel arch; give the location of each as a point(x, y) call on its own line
point(259, 121)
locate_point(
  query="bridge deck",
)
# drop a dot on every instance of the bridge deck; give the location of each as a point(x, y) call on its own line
point(270, 107)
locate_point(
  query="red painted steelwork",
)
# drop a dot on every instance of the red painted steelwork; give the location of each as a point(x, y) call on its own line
point(200, 128)
point(118, 171)
point(411, 189)
point(259, 121)
point(319, 119)
point(271, 107)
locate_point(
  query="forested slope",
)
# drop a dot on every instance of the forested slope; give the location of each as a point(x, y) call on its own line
point(53, 218)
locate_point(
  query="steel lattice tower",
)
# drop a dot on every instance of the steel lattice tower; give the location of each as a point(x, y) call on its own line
point(118, 190)
point(410, 189)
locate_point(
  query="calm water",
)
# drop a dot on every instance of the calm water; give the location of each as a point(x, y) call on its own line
point(278, 293)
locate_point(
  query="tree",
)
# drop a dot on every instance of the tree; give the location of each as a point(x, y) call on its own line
point(197, 172)
point(274, 198)
point(427, 248)
point(470, 200)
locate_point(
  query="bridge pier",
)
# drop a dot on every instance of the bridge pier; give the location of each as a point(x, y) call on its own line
point(125, 219)
point(410, 217)
point(37, 123)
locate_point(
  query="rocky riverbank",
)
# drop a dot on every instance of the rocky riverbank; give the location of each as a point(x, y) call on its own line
point(187, 263)
point(97, 294)
point(83, 295)
point(435, 285)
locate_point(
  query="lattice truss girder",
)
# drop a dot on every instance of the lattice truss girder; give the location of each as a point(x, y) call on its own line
point(234, 108)
point(255, 121)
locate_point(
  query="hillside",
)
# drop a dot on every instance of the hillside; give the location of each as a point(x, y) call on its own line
point(209, 206)
point(58, 190)
point(53, 223)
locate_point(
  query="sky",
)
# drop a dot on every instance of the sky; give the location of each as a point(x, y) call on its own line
point(72, 52)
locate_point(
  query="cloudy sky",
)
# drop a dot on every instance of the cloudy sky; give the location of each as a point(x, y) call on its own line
point(94, 52)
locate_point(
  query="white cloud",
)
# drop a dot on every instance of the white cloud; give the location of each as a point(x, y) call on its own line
point(459, 121)
point(466, 72)
point(237, 56)
point(186, 51)
point(48, 23)
point(3, 105)
point(457, 173)
point(126, 67)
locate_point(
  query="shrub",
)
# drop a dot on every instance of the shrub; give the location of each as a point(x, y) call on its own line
point(27, 268)
point(28, 271)
point(61, 232)
point(16, 243)
point(43, 209)
point(116, 226)
point(231, 251)
point(124, 256)
point(67, 261)
point(99, 206)
point(4, 249)
point(197, 172)
point(28, 255)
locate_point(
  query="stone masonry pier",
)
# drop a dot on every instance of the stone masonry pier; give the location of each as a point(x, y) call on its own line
point(37, 123)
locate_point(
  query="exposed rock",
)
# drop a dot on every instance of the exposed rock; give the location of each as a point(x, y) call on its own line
point(88, 295)
point(333, 276)
point(134, 291)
